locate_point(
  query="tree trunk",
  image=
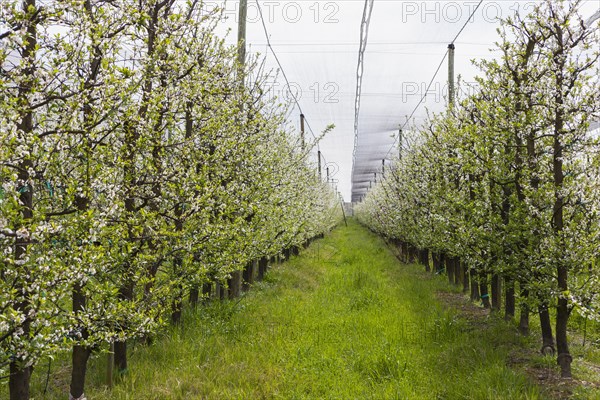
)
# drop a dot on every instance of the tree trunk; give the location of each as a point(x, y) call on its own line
point(177, 305)
point(248, 276)
point(262, 268)
point(562, 317)
point(226, 289)
point(474, 286)
point(483, 288)
point(546, 325)
point(121, 356)
point(564, 356)
point(220, 292)
point(509, 302)
point(206, 291)
point(562, 311)
point(176, 313)
point(125, 294)
point(177, 302)
point(404, 252)
point(80, 354)
point(194, 296)
point(449, 268)
point(414, 255)
point(18, 383)
point(79, 361)
point(465, 276)
point(457, 271)
point(438, 261)
point(424, 259)
point(496, 292)
point(524, 318)
point(399, 248)
point(235, 285)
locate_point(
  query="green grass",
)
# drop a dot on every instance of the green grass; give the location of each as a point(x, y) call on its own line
point(344, 320)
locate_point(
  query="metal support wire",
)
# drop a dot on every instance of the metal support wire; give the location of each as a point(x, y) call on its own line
point(435, 74)
point(267, 37)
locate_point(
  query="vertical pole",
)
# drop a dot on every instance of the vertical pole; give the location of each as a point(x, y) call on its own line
point(375, 175)
point(451, 75)
point(343, 212)
point(327, 174)
point(319, 161)
point(242, 32)
point(383, 168)
point(241, 56)
point(110, 362)
point(400, 138)
point(302, 130)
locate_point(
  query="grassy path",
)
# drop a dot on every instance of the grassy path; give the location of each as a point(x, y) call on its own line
point(344, 320)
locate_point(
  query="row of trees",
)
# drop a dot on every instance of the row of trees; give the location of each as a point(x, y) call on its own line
point(138, 163)
point(504, 186)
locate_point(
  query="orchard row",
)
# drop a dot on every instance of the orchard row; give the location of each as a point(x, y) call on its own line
point(504, 185)
point(139, 163)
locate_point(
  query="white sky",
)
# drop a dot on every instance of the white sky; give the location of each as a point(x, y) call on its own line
point(317, 44)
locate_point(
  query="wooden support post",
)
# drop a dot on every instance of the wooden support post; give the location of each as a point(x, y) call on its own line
point(344, 213)
point(302, 135)
point(319, 164)
point(451, 90)
point(243, 12)
point(110, 365)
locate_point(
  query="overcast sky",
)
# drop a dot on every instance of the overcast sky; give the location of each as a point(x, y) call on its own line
point(317, 44)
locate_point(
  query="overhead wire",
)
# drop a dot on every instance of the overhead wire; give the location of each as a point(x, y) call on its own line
point(270, 46)
point(312, 44)
point(466, 22)
point(423, 97)
point(281, 67)
point(433, 78)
